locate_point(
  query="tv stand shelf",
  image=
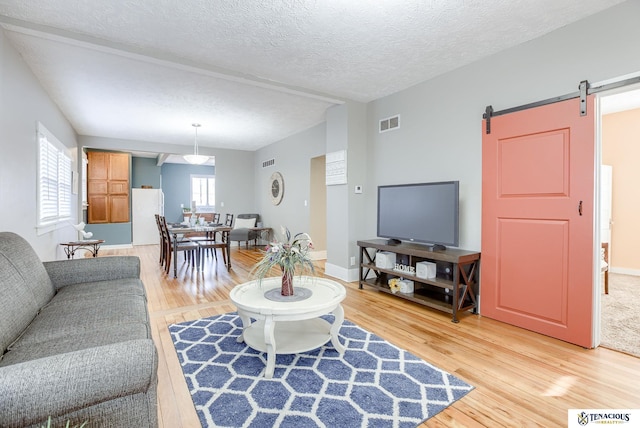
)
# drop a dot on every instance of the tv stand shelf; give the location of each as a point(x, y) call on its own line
point(453, 290)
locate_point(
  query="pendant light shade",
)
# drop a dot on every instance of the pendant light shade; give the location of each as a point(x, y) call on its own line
point(196, 158)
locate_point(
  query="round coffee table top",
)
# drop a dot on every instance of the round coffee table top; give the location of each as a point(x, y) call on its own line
point(250, 296)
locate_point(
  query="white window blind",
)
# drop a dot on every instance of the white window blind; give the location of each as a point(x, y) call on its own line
point(54, 179)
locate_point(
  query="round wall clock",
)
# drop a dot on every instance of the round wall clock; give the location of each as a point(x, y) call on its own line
point(277, 188)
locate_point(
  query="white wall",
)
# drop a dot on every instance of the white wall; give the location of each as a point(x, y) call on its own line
point(23, 102)
point(293, 160)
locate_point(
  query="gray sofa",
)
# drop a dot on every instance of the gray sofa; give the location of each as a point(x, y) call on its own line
point(75, 341)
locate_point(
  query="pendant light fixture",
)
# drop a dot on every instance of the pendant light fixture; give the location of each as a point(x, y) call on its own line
point(196, 158)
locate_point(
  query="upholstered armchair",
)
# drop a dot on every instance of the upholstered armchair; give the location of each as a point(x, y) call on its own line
point(242, 229)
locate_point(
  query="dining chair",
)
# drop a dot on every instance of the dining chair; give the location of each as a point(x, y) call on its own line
point(208, 217)
point(185, 245)
point(210, 242)
point(162, 246)
point(216, 218)
point(229, 220)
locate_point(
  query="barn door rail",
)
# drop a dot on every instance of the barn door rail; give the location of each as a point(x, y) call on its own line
point(584, 89)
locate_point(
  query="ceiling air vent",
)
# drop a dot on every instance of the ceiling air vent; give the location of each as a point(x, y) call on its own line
point(389, 124)
point(268, 163)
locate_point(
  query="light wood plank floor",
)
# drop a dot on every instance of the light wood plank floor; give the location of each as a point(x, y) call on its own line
point(521, 378)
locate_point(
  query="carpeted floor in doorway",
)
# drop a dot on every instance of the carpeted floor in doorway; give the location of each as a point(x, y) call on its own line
point(621, 314)
point(373, 384)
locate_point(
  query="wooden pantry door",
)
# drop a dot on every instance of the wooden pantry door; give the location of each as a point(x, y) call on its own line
point(537, 220)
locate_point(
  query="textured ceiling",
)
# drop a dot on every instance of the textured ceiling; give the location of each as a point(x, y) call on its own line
point(253, 72)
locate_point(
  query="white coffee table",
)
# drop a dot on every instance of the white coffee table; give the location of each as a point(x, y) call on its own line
point(289, 327)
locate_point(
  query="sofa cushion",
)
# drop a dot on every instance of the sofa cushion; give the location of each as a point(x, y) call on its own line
point(79, 340)
point(76, 386)
point(100, 290)
point(94, 308)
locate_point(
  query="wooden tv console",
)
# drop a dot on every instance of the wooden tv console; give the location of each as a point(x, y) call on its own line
point(453, 290)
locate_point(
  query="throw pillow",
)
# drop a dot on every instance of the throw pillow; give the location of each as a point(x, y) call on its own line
point(242, 223)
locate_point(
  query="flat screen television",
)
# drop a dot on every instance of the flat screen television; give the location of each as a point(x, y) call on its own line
point(424, 212)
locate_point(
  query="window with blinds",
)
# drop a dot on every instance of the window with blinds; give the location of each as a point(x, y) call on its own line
point(54, 179)
point(203, 192)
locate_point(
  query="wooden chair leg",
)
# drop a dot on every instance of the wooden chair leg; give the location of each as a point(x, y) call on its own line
point(167, 265)
point(606, 281)
point(224, 255)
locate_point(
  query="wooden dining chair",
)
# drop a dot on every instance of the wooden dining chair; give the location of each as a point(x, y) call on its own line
point(163, 253)
point(229, 220)
point(187, 246)
point(216, 218)
point(208, 217)
point(212, 243)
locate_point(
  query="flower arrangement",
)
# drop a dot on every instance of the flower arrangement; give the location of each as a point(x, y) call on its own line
point(394, 285)
point(290, 254)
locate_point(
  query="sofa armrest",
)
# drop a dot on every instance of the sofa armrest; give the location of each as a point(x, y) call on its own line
point(32, 391)
point(68, 272)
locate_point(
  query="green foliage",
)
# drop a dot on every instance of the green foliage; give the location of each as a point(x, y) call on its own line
point(68, 425)
point(291, 255)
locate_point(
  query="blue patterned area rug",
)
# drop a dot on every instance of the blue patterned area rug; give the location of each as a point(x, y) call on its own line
point(373, 384)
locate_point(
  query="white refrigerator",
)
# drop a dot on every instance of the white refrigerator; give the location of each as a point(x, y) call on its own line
point(145, 204)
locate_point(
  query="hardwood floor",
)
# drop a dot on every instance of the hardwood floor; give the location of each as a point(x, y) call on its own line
point(521, 378)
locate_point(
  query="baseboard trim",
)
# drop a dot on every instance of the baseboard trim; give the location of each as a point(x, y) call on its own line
point(115, 246)
point(347, 275)
point(625, 271)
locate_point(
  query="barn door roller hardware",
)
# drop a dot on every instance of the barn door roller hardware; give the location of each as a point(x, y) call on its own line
point(488, 112)
point(583, 87)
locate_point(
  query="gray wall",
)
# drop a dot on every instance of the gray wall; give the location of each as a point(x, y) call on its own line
point(439, 137)
point(145, 172)
point(234, 172)
point(23, 102)
point(176, 179)
point(440, 133)
point(293, 160)
point(346, 130)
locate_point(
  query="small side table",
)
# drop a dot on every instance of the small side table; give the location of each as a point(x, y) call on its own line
point(91, 245)
point(263, 232)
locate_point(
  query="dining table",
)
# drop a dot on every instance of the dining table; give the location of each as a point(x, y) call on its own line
point(177, 231)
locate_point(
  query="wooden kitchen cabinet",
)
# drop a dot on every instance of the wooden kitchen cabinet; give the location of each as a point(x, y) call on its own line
point(108, 187)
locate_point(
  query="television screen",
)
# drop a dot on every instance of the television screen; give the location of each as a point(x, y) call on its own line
point(425, 212)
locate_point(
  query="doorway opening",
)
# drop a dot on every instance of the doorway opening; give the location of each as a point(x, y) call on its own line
point(318, 207)
point(619, 210)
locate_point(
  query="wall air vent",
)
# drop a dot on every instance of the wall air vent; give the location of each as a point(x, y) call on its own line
point(389, 124)
point(268, 163)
